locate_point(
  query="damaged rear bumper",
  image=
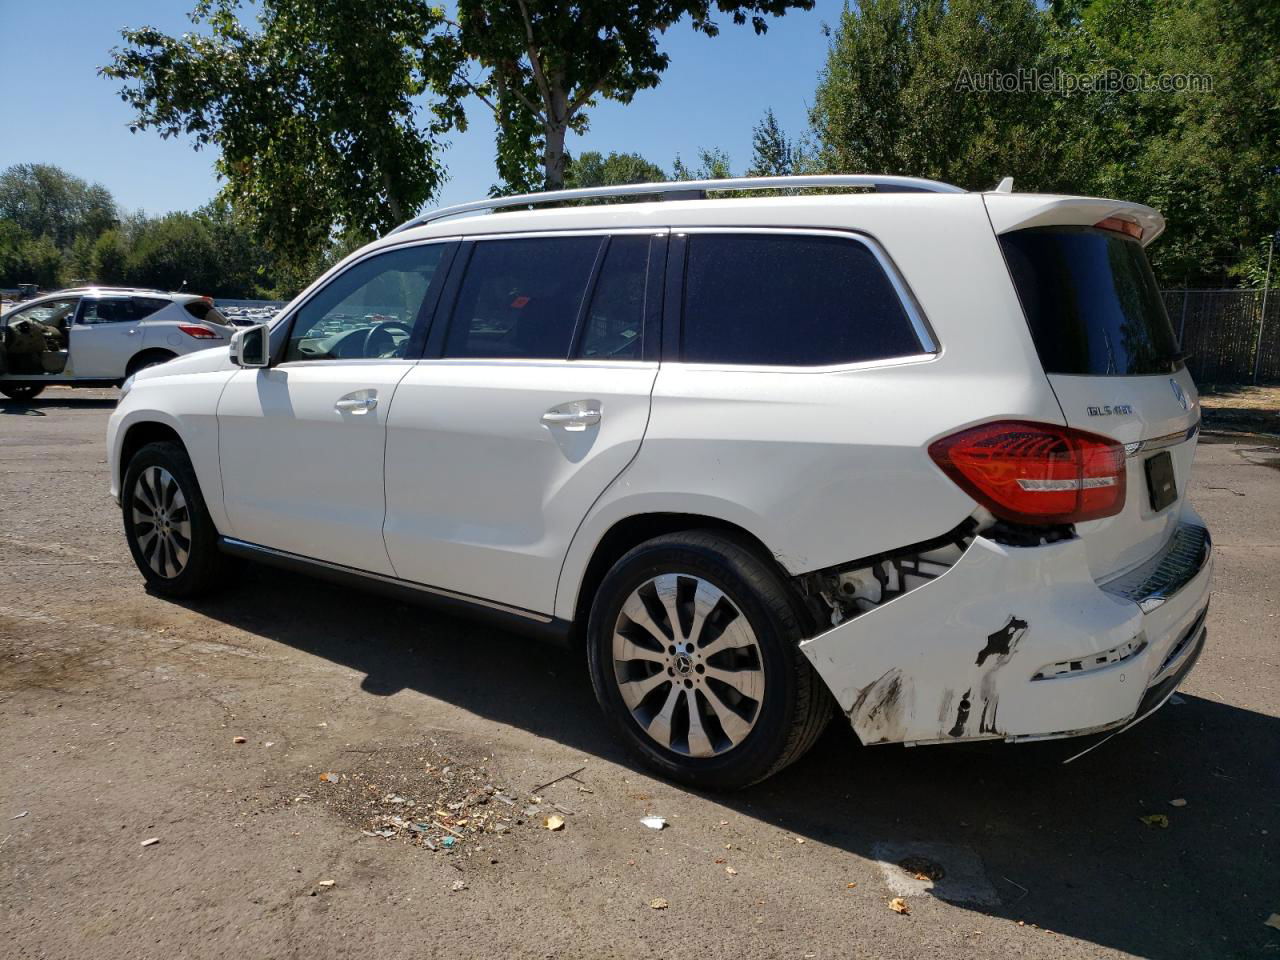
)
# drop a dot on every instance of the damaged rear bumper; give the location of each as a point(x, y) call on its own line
point(1020, 643)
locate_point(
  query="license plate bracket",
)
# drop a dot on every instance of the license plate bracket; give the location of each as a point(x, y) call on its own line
point(1162, 486)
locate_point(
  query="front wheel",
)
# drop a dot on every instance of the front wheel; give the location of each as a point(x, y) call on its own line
point(168, 528)
point(693, 648)
point(22, 391)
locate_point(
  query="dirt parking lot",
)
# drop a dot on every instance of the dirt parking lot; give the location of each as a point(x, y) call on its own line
point(120, 714)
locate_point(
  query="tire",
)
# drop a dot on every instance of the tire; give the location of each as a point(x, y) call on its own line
point(780, 704)
point(22, 391)
point(150, 480)
point(150, 358)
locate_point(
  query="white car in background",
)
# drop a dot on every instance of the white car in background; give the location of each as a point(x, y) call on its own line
point(98, 336)
point(915, 457)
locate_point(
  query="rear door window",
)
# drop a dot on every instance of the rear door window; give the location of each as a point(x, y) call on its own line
point(789, 300)
point(520, 298)
point(1091, 302)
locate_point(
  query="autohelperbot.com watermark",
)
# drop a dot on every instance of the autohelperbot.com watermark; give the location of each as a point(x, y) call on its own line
point(1029, 80)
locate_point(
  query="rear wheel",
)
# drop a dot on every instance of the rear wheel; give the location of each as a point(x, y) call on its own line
point(693, 647)
point(149, 358)
point(22, 391)
point(168, 528)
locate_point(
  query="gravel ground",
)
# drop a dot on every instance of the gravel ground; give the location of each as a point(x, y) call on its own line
point(120, 715)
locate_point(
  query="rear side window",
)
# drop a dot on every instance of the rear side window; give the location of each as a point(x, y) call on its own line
point(614, 322)
point(1091, 301)
point(146, 306)
point(789, 300)
point(520, 298)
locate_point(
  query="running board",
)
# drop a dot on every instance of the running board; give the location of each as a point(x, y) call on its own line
point(518, 620)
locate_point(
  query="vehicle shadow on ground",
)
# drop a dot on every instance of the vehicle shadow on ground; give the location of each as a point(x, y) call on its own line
point(1062, 847)
point(36, 408)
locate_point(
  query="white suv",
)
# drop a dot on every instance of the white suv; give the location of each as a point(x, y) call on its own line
point(97, 336)
point(915, 454)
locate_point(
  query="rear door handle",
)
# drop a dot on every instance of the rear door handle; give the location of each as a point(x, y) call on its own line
point(573, 416)
point(360, 402)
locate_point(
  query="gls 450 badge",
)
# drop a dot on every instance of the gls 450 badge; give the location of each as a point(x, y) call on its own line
point(1118, 409)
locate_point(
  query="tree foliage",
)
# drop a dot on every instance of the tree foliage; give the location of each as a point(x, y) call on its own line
point(553, 58)
point(889, 100)
point(773, 154)
point(593, 169)
point(713, 164)
point(211, 250)
point(45, 201)
point(313, 113)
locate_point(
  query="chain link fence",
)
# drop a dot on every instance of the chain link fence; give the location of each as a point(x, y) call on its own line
point(1219, 332)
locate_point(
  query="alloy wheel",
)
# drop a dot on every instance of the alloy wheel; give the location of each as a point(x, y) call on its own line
point(688, 665)
point(161, 522)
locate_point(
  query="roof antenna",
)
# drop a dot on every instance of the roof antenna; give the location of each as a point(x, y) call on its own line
point(1005, 185)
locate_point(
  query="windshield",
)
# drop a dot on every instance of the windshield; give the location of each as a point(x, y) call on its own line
point(1091, 301)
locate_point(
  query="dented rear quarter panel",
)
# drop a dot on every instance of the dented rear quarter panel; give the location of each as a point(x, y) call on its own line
point(953, 659)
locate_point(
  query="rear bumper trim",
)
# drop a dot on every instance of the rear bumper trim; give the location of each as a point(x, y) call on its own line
point(1152, 583)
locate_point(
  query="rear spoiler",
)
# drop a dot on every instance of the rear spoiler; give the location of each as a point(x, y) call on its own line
point(1018, 211)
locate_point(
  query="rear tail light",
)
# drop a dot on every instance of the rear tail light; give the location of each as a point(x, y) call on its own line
point(1036, 472)
point(199, 332)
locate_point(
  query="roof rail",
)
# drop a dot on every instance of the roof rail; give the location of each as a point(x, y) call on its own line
point(688, 190)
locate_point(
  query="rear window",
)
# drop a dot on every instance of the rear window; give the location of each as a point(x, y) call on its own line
point(1091, 301)
point(789, 300)
point(204, 310)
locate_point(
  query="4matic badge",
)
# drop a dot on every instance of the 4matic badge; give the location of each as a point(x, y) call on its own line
point(1117, 409)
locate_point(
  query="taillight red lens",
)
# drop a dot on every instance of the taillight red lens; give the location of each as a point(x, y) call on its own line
point(197, 331)
point(1036, 472)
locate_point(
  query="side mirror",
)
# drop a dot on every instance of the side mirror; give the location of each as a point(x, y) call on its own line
point(251, 347)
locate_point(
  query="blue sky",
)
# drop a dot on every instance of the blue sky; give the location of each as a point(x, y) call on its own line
point(54, 108)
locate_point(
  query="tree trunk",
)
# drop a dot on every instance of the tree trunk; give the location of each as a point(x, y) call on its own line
point(397, 211)
point(554, 127)
point(553, 156)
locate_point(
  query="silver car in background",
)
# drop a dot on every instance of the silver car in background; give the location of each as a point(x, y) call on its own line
point(98, 336)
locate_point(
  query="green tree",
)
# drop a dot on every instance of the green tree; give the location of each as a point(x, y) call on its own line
point(315, 111)
point(899, 94)
point(27, 259)
point(773, 155)
point(314, 114)
point(593, 169)
point(713, 164)
point(1209, 159)
point(46, 201)
point(555, 57)
point(892, 98)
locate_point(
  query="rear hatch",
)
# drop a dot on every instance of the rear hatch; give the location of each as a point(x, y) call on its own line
point(1105, 342)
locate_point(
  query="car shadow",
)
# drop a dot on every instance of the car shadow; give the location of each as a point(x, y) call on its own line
point(36, 408)
point(1062, 847)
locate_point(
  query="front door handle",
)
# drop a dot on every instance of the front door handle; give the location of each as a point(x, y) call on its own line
point(360, 402)
point(573, 416)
